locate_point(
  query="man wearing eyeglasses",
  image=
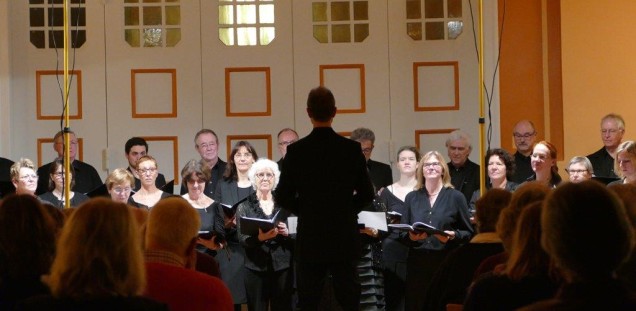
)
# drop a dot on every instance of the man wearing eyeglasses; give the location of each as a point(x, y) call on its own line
point(135, 148)
point(286, 137)
point(86, 176)
point(524, 135)
point(206, 143)
point(612, 130)
point(380, 173)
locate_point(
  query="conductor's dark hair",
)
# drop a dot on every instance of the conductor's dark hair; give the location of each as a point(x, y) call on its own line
point(321, 104)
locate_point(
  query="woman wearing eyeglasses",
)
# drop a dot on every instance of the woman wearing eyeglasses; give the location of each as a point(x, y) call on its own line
point(120, 184)
point(55, 195)
point(544, 165)
point(24, 177)
point(624, 163)
point(234, 187)
point(435, 203)
point(148, 195)
point(268, 276)
point(579, 169)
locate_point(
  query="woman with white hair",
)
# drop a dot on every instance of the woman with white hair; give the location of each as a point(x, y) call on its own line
point(268, 277)
point(579, 169)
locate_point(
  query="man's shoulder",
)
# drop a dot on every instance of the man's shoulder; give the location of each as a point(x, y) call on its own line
point(77, 164)
point(601, 153)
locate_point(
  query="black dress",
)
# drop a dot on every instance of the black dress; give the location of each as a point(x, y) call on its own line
point(77, 199)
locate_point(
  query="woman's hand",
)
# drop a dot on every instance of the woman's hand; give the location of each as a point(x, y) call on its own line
point(282, 229)
point(264, 236)
point(370, 232)
point(414, 236)
point(211, 243)
point(445, 239)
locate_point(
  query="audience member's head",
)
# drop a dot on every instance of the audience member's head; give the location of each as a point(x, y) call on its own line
point(321, 104)
point(173, 226)
point(27, 239)
point(119, 184)
point(627, 194)
point(586, 231)
point(580, 169)
point(99, 253)
point(524, 195)
point(527, 257)
point(24, 176)
point(488, 208)
point(459, 147)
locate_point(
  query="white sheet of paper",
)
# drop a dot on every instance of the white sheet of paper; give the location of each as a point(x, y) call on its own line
point(375, 220)
point(292, 223)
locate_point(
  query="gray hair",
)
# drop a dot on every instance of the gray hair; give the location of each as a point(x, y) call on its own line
point(459, 135)
point(261, 164)
point(362, 133)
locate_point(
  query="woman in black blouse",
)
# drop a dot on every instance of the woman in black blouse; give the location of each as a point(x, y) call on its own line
point(267, 254)
point(436, 203)
point(55, 195)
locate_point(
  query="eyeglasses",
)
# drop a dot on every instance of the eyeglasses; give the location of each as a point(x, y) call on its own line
point(122, 190)
point(264, 175)
point(286, 142)
point(59, 174)
point(147, 170)
point(431, 164)
point(207, 145)
point(27, 177)
point(574, 172)
point(610, 131)
point(524, 135)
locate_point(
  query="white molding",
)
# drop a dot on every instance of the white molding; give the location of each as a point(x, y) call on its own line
point(5, 79)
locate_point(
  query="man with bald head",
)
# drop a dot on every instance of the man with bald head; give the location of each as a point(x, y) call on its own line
point(524, 135)
point(171, 236)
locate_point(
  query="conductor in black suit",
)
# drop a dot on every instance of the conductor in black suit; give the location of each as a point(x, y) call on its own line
point(325, 182)
point(380, 173)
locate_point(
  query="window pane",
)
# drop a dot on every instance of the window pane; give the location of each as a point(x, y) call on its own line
point(152, 15)
point(131, 16)
point(131, 1)
point(266, 13)
point(226, 35)
point(36, 17)
point(56, 39)
point(413, 9)
point(455, 29)
point(246, 36)
point(78, 38)
point(267, 35)
point(37, 38)
point(434, 8)
point(56, 17)
point(340, 33)
point(246, 14)
point(226, 15)
point(340, 11)
point(152, 37)
point(78, 16)
point(320, 33)
point(173, 36)
point(414, 30)
point(360, 10)
point(151, 1)
point(361, 32)
point(454, 8)
point(435, 31)
point(36, 1)
point(319, 11)
point(173, 15)
point(132, 37)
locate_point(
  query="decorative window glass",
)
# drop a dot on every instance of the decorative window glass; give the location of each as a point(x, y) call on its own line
point(246, 22)
point(46, 23)
point(152, 23)
point(434, 19)
point(340, 21)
